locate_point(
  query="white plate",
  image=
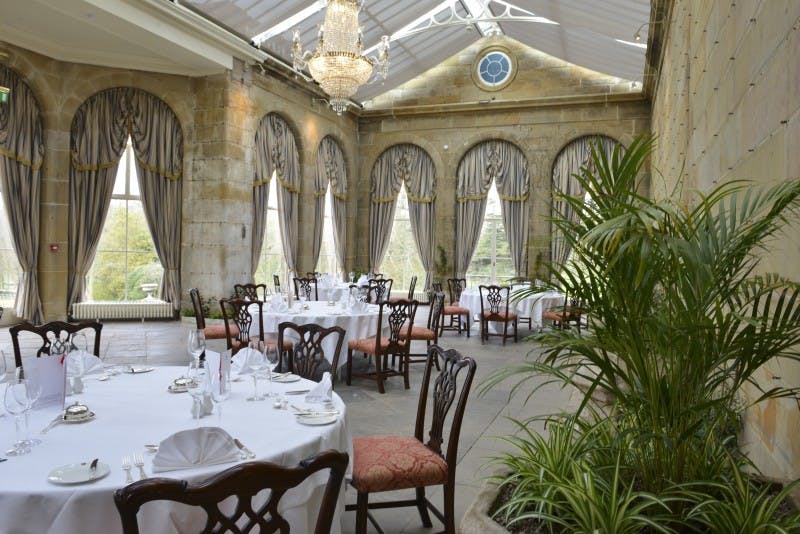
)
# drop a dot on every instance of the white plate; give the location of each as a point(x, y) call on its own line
point(77, 473)
point(136, 370)
point(315, 420)
point(286, 379)
point(75, 421)
point(177, 389)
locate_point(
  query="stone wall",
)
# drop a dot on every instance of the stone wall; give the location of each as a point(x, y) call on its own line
point(727, 107)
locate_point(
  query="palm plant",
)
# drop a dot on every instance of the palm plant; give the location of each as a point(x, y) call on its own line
point(681, 318)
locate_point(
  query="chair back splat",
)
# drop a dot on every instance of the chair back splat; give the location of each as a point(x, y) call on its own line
point(235, 312)
point(250, 291)
point(306, 287)
point(243, 481)
point(308, 355)
point(456, 287)
point(56, 337)
point(380, 289)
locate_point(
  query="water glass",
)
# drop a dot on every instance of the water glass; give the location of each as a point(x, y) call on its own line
point(257, 362)
point(220, 392)
point(272, 357)
point(195, 388)
point(17, 404)
point(197, 343)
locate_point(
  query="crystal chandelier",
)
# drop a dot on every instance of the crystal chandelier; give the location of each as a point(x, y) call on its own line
point(339, 65)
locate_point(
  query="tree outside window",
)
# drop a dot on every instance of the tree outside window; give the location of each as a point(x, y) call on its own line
point(402, 259)
point(327, 254)
point(125, 266)
point(491, 262)
point(271, 260)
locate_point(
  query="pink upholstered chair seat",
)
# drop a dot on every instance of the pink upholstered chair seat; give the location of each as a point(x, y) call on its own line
point(217, 331)
point(499, 316)
point(420, 333)
point(368, 345)
point(455, 310)
point(383, 463)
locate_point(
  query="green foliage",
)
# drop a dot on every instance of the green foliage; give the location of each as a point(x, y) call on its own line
point(680, 322)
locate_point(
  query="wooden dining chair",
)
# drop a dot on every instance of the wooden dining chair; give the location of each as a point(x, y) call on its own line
point(306, 287)
point(430, 333)
point(380, 289)
point(411, 287)
point(242, 482)
point(56, 337)
point(216, 331)
point(362, 292)
point(239, 323)
point(250, 291)
point(569, 315)
point(494, 308)
point(454, 311)
point(389, 463)
point(398, 317)
point(307, 358)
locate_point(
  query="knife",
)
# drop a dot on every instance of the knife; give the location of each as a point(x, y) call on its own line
point(54, 422)
point(296, 392)
point(247, 452)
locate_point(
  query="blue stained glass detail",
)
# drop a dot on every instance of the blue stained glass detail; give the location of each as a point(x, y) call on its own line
point(494, 68)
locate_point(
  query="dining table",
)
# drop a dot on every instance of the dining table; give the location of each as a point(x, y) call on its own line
point(332, 291)
point(530, 305)
point(358, 321)
point(135, 409)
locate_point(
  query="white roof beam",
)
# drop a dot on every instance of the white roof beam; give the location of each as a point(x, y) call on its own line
point(289, 22)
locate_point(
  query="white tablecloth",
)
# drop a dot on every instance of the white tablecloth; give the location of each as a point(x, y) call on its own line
point(357, 325)
point(532, 305)
point(132, 410)
point(334, 292)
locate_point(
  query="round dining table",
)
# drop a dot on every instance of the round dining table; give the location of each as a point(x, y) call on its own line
point(357, 324)
point(134, 409)
point(531, 305)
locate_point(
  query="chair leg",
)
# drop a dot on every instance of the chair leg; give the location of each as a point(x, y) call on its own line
point(379, 373)
point(361, 513)
point(469, 324)
point(349, 373)
point(449, 501)
point(422, 506)
point(516, 327)
point(404, 360)
point(505, 331)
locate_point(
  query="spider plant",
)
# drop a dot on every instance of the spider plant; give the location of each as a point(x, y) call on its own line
point(681, 317)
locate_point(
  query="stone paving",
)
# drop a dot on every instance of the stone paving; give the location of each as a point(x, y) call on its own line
point(164, 343)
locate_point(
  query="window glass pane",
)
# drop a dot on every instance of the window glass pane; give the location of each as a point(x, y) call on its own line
point(9, 266)
point(402, 259)
point(133, 181)
point(126, 257)
point(271, 261)
point(491, 261)
point(327, 254)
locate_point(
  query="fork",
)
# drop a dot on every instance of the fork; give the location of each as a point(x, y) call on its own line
point(126, 465)
point(138, 461)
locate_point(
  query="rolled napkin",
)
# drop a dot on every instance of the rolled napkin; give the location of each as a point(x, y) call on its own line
point(81, 362)
point(194, 447)
point(323, 391)
point(277, 304)
point(246, 361)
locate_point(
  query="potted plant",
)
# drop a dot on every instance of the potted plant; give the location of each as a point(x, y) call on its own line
point(680, 321)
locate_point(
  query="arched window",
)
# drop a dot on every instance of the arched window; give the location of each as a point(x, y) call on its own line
point(9, 265)
point(327, 253)
point(329, 242)
point(491, 261)
point(126, 265)
point(402, 260)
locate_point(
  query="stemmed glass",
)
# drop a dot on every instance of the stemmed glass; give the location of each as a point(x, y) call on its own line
point(257, 362)
point(272, 358)
point(352, 276)
point(197, 344)
point(17, 403)
point(4, 375)
point(220, 391)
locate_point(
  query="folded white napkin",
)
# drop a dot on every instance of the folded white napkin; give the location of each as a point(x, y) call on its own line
point(81, 362)
point(323, 391)
point(362, 280)
point(246, 361)
point(277, 304)
point(197, 446)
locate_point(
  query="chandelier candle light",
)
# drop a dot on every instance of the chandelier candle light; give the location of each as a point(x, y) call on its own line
point(339, 65)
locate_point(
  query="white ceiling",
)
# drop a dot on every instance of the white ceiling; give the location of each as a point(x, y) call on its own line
point(190, 37)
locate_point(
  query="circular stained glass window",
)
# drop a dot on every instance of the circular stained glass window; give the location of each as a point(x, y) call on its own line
point(494, 69)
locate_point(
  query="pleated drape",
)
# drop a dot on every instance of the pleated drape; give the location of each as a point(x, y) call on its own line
point(285, 161)
point(98, 134)
point(331, 169)
point(569, 162)
point(157, 141)
point(22, 153)
point(410, 164)
point(261, 179)
point(504, 163)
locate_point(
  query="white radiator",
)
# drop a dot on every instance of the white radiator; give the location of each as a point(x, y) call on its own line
point(141, 309)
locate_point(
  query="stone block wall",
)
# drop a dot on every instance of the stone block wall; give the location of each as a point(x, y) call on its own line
point(727, 107)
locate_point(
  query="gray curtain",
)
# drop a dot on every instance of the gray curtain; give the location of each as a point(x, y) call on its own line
point(22, 151)
point(420, 181)
point(504, 163)
point(285, 161)
point(385, 184)
point(157, 141)
point(98, 134)
point(569, 162)
point(261, 178)
point(331, 169)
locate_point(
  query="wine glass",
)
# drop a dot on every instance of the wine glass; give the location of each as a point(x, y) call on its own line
point(257, 363)
point(272, 358)
point(4, 376)
point(220, 392)
point(352, 276)
point(197, 343)
point(16, 403)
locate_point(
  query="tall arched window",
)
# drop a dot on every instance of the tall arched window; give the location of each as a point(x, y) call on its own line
point(271, 260)
point(491, 261)
point(9, 265)
point(402, 261)
point(126, 265)
point(329, 242)
point(327, 252)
